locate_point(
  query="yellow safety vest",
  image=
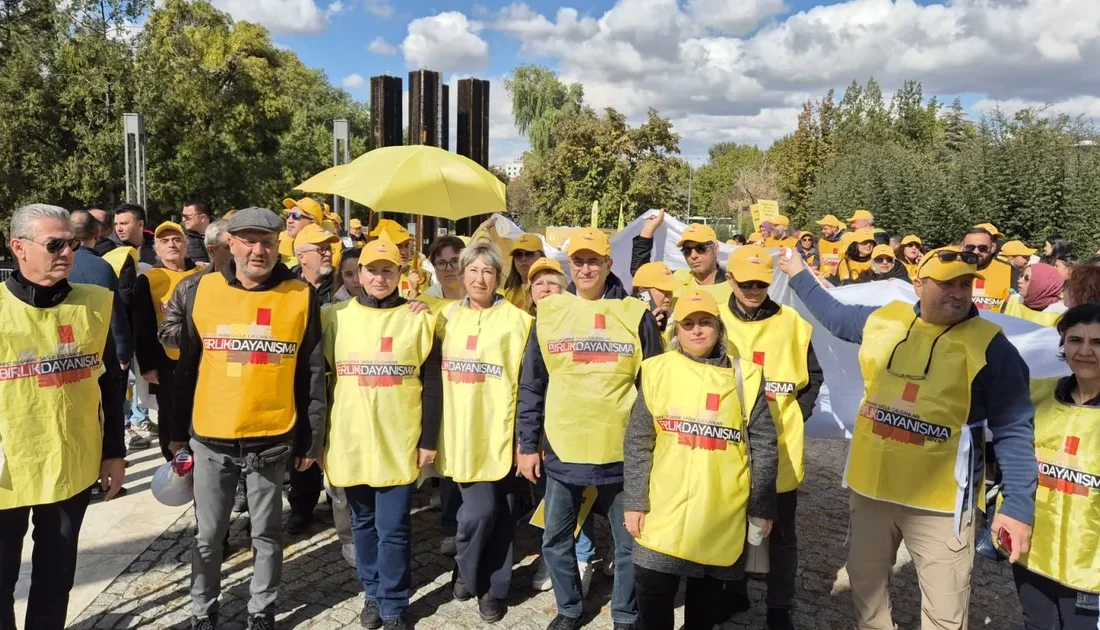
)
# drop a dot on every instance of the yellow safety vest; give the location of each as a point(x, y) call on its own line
point(699, 483)
point(376, 414)
point(992, 291)
point(286, 250)
point(829, 255)
point(592, 353)
point(1015, 307)
point(911, 269)
point(51, 428)
point(517, 296)
point(790, 242)
point(911, 444)
point(482, 353)
point(162, 284)
point(780, 345)
point(245, 386)
point(853, 269)
point(721, 289)
point(1067, 503)
point(117, 257)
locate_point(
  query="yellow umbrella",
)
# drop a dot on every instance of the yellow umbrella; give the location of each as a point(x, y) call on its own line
point(416, 179)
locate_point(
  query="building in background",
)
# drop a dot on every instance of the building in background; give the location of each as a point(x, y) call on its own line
point(513, 168)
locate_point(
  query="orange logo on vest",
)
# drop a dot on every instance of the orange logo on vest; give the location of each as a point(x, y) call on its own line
point(379, 371)
point(595, 348)
point(63, 368)
point(900, 422)
point(700, 430)
point(465, 368)
point(1061, 471)
point(254, 345)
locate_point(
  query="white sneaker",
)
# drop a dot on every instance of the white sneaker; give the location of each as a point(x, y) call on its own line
point(541, 581)
point(348, 551)
point(609, 563)
point(585, 569)
point(135, 441)
point(147, 427)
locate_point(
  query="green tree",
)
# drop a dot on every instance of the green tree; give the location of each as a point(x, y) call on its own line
point(540, 101)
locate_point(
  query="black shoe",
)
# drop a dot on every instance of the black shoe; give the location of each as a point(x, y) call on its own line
point(561, 622)
point(779, 619)
point(297, 524)
point(490, 608)
point(204, 623)
point(240, 499)
point(396, 624)
point(459, 590)
point(370, 617)
point(447, 547)
point(624, 626)
point(261, 622)
point(739, 598)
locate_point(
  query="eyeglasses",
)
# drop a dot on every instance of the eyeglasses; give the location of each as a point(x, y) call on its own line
point(931, 353)
point(884, 260)
point(327, 249)
point(753, 284)
point(580, 263)
point(298, 216)
point(967, 257)
point(981, 249)
point(701, 248)
point(522, 253)
point(450, 263)
point(808, 238)
point(57, 245)
point(250, 243)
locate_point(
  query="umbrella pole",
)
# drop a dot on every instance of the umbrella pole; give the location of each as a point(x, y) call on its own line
point(419, 236)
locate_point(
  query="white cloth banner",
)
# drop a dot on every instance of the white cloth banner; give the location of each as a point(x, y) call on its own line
point(837, 405)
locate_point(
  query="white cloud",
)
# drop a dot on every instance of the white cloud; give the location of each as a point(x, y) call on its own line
point(379, 46)
point(282, 16)
point(354, 82)
point(446, 42)
point(1088, 106)
point(380, 8)
point(726, 70)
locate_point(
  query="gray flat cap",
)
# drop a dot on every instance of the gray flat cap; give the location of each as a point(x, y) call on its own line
point(260, 219)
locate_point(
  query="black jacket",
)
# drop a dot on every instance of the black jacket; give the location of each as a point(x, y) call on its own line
point(310, 393)
point(196, 247)
point(112, 383)
point(534, 379)
point(641, 251)
point(323, 290)
point(898, 271)
point(104, 245)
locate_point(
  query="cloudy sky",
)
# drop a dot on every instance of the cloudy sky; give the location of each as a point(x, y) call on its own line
point(723, 70)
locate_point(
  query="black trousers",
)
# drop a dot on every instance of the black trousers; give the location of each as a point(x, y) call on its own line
point(1049, 605)
point(450, 500)
point(165, 406)
point(305, 489)
point(782, 554)
point(705, 604)
point(486, 529)
point(53, 561)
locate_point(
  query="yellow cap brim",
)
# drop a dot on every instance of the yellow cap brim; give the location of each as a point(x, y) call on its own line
point(946, 272)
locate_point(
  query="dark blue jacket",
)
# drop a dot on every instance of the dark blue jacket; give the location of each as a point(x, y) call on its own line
point(533, 382)
point(999, 395)
point(89, 268)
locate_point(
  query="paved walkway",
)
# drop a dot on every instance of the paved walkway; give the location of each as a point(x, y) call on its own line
point(320, 590)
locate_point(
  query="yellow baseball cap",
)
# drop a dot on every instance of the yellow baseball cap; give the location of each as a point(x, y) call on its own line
point(830, 219)
point(992, 229)
point(1016, 248)
point(355, 224)
point(335, 218)
point(863, 235)
point(313, 235)
point(751, 263)
point(910, 239)
point(655, 275)
point(882, 250)
point(698, 233)
point(527, 243)
point(590, 239)
point(167, 226)
point(382, 249)
point(397, 232)
point(308, 205)
point(932, 266)
point(544, 264)
point(861, 215)
point(755, 237)
point(779, 220)
point(694, 301)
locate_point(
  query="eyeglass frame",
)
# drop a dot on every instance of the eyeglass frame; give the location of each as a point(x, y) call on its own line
point(931, 353)
point(73, 243)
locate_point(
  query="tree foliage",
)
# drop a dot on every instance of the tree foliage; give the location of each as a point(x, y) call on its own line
point(540, 101)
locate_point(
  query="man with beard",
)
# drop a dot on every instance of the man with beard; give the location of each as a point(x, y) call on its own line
point(130, 230)
point(830, 248)
point(196, 216)
point(991, 291)
point(699, 245)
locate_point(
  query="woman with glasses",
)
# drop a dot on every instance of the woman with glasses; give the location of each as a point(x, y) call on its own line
point(910, 254)
point(807, 248)
point(545, 277)
point(1058, 579)
point(525, 251)
point(777, 339)
point(884, 266)
point(1040, 287)
point(443, 255)
point(857, 258)
point(699, 460)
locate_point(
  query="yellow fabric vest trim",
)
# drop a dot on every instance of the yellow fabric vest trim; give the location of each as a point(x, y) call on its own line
point(286, 250)
point(780, 345)
point(517, 296)
point(853, 269)
point(1066, 532)
point(245, 386)
point(1014, 306)
point(699, 484)
point(721, 289)
point(117, 257)
point(376, 414)
point(482, 353)
point(51, 426)
point(162, 284)
point(592, 353)
point(911, 445)
point(911, 269)
point(991, 292)
point(790, 242)
point(829, 255)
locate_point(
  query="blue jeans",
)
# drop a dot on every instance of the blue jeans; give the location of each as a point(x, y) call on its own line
point(586, 541)
point(132, 413)
point(381, 525)
point(559, 550)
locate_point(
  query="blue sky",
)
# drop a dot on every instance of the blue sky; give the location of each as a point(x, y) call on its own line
point(720, 69)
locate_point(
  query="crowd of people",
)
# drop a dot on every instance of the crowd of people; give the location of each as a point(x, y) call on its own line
point(285, 349)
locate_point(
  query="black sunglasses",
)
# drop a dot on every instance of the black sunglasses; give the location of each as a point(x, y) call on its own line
point(57, 245)
point(752, 284)
point(931, 352)
point(967, 257)
point(701, 248)
point(981, 249)
point(884, 259)
point(298, 216)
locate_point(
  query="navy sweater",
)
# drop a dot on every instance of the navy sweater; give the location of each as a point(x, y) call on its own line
point(999, 395)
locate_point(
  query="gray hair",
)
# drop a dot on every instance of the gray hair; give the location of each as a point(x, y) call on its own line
point(22, 222)
point(481, 249)
point(214, 233)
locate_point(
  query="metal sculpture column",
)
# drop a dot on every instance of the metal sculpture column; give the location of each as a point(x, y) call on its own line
point(341, 154)
point(133, 143)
